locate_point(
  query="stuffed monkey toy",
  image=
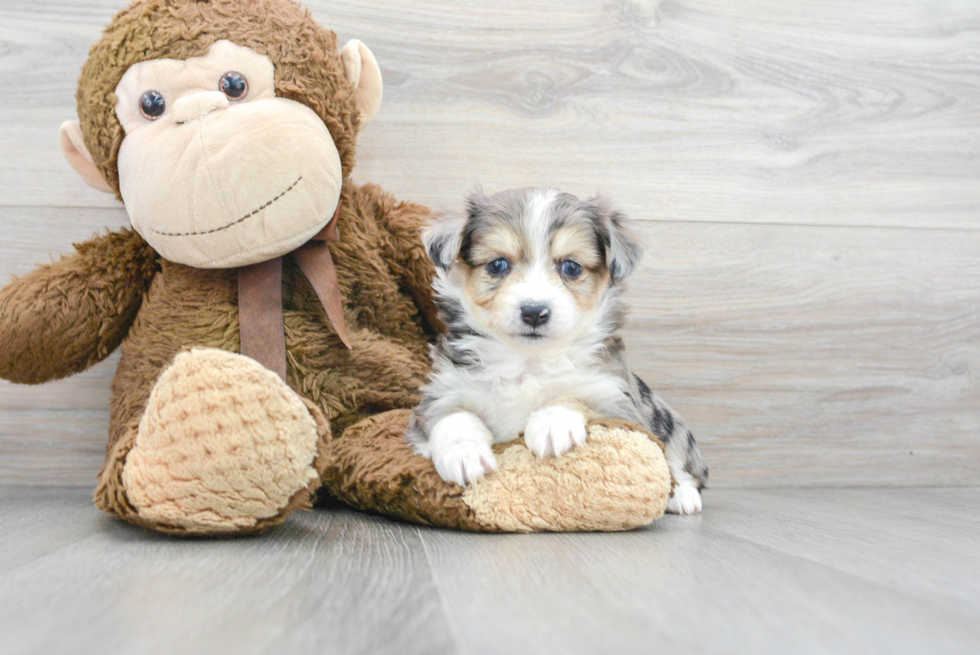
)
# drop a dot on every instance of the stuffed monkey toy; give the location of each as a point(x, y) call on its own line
point(273, 316)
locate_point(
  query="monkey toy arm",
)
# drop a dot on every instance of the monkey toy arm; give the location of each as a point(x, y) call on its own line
point(404, 221)
point(65, 316)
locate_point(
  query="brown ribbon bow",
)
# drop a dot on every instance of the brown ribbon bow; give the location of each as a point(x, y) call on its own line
point(260, 299)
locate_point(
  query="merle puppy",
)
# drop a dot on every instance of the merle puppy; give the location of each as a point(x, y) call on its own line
point(529, 284)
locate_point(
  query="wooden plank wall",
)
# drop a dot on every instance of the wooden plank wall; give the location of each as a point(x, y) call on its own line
point(805, 177)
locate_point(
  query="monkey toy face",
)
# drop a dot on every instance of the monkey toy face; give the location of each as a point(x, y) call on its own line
point(217, 171)
point(216, 166)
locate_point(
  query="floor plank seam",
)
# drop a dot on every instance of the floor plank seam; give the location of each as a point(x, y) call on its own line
point(922, 596)
point(97, 533)
point(453, 630)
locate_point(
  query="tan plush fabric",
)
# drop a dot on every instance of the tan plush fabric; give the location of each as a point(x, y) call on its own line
point(111, 494)
point(73, 148)
point(201, 443)
point(384, 277)
point(218, 184)
point(618, 480)
point(364, 74)
point(306, 56)
point(223, 444)
point(373, 468)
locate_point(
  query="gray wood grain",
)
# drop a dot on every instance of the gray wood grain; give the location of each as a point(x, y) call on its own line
point(810, 356)
point(800, 355)
point(931, 531)
point(731, 580)
point(805, 112)
point(805, 174)
point(76, 581)
point(804, 571)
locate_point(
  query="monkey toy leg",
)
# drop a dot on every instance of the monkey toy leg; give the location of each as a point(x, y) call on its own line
point(223, 447)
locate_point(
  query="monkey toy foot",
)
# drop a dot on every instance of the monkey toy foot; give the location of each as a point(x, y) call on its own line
point(223, 447)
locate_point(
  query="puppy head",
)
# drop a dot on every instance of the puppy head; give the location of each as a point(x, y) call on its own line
point(530, 266)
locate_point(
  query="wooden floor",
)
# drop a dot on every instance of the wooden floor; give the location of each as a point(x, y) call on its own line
point(802, 571)
point(806, 177)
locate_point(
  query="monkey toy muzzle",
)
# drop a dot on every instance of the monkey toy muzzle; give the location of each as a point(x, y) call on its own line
point(215, 170)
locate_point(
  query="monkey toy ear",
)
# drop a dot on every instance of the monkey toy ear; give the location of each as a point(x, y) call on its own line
point(74, 150)
point(364, 75)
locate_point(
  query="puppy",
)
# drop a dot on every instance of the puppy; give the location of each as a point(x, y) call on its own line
point(529, 284)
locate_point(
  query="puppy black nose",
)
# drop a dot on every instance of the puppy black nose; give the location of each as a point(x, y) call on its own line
point(535, 315)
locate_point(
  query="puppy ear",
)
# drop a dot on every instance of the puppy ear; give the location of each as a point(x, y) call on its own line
point(443, 238)
point(623, 250)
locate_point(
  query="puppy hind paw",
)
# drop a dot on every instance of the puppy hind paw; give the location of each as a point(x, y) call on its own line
point(686, 500)
point(554, 431)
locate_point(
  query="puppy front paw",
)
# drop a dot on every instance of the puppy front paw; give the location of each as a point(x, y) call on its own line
point(686, 500)
point(554, 430)
point(459, 447)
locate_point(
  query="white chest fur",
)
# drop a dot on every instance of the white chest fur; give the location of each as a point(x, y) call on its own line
point(510, 386)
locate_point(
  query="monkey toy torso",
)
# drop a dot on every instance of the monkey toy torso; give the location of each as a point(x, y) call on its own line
point(187, 307)
point(228, 129)
point(384, 283)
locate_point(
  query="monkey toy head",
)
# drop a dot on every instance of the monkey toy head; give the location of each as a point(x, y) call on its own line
point(226, 127)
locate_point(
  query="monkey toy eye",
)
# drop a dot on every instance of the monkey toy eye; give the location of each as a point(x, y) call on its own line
point(571, 269)
point(234, 85)
point(498, 267)
point(152, 105)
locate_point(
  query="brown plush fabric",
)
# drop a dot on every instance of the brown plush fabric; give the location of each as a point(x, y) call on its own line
point(66, 316)
point(208, 408)
point(115, 289)
point(373, 468)
point(306, 57)
point(619, 480)
point(111, 496)
point(186, 307)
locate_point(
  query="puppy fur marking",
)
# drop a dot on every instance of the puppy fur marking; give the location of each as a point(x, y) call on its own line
point(529, 284)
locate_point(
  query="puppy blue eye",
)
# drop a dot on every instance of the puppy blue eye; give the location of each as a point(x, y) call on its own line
point(571, 269)
point(498, 267)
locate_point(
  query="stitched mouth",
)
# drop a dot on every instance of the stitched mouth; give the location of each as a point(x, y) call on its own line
point(233, 223)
